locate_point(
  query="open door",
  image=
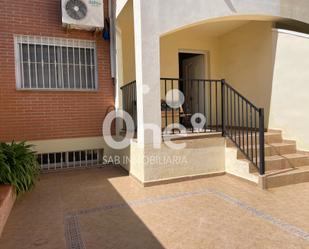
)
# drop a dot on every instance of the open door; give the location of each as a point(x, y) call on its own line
point(192, 67)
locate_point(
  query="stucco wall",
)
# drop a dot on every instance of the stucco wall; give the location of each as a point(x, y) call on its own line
point(243, 56)
point(247, 61)
point(171, 45)
point(156, 18)
point(290, 102)
point(169, 11)
point(169, 48)
point(202, 10)
point(197, 158)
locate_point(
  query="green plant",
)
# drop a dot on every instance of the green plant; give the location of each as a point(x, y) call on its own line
point(18, 166)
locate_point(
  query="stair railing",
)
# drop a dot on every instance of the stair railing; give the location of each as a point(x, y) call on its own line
point(243, 123)
point(129, 101)
point(240, 120)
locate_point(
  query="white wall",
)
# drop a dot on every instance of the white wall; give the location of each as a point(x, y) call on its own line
point(196, 11)
point(202, 10)
point(147, 68)
point(169, 11)
point(289, 108)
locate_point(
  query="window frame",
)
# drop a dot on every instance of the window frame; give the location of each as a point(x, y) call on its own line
point(56, 42)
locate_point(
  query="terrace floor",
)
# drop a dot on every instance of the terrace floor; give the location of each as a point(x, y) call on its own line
point(105, 208)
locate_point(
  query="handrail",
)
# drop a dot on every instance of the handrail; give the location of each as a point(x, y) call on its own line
point(128, 84)
point(179, 79)
point(242, 123)
point(240, 95)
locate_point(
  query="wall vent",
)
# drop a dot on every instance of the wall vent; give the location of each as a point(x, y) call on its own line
point(70, 159)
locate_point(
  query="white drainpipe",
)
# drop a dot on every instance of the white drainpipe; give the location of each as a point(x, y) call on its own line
point(111, 11)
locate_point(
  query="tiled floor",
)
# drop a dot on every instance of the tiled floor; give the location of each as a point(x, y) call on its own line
point(105, 208)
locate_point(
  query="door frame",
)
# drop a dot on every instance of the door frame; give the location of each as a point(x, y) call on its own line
point(206, 54)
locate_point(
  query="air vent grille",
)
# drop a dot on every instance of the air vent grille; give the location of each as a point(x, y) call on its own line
point(70, 159)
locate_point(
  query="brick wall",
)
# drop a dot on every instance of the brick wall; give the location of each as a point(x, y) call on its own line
point(36, 115)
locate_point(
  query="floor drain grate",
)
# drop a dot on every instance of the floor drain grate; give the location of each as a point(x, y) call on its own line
point(73, 235)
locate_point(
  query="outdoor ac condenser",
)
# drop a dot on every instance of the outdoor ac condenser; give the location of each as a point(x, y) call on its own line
point(83, 14)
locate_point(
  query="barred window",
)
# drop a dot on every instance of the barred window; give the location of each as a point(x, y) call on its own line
point(55, 63)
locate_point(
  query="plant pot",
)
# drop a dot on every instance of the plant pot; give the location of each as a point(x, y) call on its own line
point(7, 199)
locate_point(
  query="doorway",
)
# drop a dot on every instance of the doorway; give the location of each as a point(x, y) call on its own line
point(192, 66)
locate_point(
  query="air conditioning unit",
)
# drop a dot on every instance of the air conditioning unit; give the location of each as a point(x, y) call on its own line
point(83, 14)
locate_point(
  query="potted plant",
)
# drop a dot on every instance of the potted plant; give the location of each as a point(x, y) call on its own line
point(18, 166)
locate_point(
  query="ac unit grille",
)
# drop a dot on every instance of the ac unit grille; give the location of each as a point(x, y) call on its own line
point(70, 159)
point(76, 9)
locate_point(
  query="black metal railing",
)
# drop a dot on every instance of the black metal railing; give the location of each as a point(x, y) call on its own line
point(243, 123)
point(129, 101)
point(213, 106)
point(197, 107)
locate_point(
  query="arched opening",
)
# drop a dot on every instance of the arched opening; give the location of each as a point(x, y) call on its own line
point(240, 49)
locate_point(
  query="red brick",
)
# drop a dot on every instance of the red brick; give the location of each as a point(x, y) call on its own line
point(35, 115)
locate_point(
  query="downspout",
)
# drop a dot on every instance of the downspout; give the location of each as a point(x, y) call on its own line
point(113, 59)
point(111, 12)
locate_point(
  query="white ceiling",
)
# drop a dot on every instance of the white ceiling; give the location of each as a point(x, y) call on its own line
point(214, 29)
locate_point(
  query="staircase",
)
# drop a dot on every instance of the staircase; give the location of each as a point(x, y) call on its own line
point(264, 158)
point(284, 165)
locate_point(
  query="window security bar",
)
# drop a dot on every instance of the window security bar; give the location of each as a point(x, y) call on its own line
point(49, 63)
point(70, 159)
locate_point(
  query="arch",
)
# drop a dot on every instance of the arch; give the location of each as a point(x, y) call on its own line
point(281, 21)
point(208, 10)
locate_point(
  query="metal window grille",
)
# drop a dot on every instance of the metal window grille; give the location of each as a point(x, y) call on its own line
point(70, 159)
point(55, 63)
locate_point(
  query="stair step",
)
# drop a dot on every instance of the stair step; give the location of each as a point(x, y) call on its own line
point(283, 164)
point(270, 137)
point(287, 177)
point(279, 162)
point(272, 149)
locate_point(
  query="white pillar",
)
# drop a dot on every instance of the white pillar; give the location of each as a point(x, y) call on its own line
point(147, 61)
point(119, 78)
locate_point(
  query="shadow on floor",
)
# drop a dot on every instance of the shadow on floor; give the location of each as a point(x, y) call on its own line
point(78, 209)
point(110, 225)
